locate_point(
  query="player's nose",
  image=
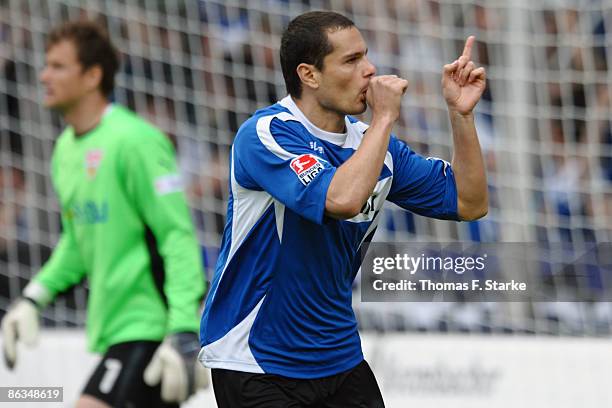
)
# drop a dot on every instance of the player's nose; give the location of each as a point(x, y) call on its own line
point(370, 69)
point(44, 75)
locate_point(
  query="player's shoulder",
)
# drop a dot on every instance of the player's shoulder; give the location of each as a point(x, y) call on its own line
point(263, 118)
point(64, 137)
point(268, 122)
point(63, 143)
point(130, 129)
point(124, 120)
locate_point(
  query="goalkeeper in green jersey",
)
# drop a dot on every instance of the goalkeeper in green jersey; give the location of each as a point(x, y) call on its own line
point(126, 227)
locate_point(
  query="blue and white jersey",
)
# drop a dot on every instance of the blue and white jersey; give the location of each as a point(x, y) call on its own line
point(280, 300)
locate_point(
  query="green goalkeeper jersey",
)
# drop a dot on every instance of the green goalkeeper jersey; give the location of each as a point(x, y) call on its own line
point(127, 227)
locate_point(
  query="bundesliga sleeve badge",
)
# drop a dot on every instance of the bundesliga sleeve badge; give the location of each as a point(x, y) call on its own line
point(306, 167)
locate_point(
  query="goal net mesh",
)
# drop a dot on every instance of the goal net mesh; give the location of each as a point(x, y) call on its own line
point(198, 69)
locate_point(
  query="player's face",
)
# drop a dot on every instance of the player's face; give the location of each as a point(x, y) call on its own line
point(63, 77)
point(346, 73)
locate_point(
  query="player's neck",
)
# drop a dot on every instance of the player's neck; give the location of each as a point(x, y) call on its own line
point(85, 115)
point(322, 118)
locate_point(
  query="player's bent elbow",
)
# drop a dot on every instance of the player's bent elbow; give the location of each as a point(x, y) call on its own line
point(476, 215)
point(473, 212)
point(341, 209)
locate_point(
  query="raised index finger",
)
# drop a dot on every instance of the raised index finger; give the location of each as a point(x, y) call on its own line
point(467, 50)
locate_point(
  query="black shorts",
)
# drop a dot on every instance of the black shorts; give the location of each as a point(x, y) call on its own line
point(354, 388)
point(118, 379)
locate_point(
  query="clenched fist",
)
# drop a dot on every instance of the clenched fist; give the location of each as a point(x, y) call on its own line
point(384, 96)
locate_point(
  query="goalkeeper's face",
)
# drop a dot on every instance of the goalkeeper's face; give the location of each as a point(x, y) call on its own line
point(346, 73)
point(64, 79)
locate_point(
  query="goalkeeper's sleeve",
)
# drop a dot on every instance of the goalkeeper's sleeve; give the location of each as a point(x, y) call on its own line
point(63, 270)
point(153, 183)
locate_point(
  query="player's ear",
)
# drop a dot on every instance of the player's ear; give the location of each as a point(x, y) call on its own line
point(309, 75)
point(93, 77)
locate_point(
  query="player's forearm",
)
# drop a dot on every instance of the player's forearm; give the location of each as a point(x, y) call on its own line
point(468, 167)
point(355, 180)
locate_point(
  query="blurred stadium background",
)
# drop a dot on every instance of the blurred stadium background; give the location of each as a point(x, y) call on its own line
point(199, 68)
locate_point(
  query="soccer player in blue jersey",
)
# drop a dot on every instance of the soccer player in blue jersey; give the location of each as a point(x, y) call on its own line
point(308, 182)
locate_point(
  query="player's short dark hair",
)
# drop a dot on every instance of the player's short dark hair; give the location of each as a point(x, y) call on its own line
point(93, 48)
point(305, 41)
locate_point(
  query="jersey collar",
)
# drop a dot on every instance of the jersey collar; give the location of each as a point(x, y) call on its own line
point(335, 138)
point(107, 110)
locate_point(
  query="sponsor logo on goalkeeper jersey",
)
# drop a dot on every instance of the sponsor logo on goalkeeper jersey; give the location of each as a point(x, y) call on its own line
point(307, 167)
point(88, 212)
point(93, 158)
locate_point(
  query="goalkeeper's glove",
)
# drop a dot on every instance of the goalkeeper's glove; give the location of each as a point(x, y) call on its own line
point(176, 366)
point(20, 323)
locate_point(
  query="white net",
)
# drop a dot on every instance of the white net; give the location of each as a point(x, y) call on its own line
point(199, 68)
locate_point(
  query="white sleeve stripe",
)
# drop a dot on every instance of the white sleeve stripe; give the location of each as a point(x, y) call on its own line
point(264, 134)
point(446, 164)
point(248, 207)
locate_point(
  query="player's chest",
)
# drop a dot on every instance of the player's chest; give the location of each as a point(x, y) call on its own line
point(84, 176)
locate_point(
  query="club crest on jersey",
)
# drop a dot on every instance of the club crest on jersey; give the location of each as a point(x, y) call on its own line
point(93, 158)
point(307, 167)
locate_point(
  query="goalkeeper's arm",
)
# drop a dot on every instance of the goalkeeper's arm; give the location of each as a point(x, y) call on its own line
point(62, 271)
point(153, 182)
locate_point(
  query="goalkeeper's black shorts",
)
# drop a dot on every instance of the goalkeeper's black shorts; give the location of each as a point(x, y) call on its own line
point(354, 388)
point(118, 379)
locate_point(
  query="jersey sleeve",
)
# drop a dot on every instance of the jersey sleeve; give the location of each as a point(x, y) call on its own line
point(273, 154)
point(425, 186)
point(65, 267)
point(154, 185)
